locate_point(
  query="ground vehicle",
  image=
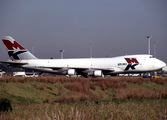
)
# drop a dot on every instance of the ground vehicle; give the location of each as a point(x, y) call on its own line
point(25, 74)
point(157, 76)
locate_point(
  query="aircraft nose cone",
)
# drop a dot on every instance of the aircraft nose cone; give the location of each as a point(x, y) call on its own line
point(159, 64)
point(163, 64)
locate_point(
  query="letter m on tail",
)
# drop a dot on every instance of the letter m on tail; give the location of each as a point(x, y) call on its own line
point(15, 50)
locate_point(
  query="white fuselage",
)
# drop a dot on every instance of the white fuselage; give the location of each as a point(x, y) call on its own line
point(116, 64)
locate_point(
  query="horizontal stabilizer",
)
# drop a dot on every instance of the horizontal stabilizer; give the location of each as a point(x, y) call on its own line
point(13, 63)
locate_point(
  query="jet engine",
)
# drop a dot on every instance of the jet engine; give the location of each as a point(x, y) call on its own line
point(98, 73)
point(71, 72)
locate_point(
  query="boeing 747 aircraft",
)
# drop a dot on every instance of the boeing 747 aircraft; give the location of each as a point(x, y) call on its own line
point(95, 67)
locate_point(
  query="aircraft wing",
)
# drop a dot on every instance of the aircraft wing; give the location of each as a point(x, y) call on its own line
point(16, 64)
point(82, 71)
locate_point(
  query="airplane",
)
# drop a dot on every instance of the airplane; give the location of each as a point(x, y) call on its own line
point(94, 67)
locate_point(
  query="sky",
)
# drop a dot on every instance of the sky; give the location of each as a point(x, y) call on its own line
point(112, 27)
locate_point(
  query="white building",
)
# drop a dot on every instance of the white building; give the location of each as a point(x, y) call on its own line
point(2, 73)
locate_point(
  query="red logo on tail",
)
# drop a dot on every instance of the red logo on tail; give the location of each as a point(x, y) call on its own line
point(13, 46)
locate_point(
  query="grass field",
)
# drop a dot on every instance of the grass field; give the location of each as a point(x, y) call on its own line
point(125, 98)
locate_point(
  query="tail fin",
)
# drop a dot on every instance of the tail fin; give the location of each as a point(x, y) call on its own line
point(15, 50)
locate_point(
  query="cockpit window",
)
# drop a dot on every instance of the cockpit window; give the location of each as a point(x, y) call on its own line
point(151, 56)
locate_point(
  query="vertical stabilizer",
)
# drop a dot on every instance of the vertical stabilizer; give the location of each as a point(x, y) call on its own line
point(15, 50)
